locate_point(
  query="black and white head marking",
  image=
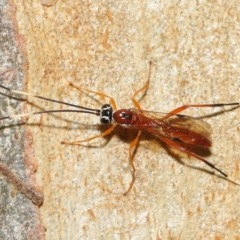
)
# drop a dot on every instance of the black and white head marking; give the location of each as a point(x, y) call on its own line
point(106, 114)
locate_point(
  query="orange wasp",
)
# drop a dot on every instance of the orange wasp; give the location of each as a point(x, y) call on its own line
point(177, 131)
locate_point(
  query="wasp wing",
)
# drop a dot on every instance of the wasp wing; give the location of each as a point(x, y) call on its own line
point(182, 128)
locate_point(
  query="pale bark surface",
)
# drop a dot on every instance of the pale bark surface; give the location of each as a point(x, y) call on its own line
point(106, 46)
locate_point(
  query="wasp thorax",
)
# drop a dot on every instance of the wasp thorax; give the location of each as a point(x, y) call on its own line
point(123, 116)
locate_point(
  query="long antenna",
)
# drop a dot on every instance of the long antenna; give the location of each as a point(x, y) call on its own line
point(44, 98)
point(85, 109)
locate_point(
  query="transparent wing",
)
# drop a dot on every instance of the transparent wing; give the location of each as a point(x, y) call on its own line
point(183, 127)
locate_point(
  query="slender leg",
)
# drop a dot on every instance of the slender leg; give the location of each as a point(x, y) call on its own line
point(112, 101)
point(105, 133)
point(134, 143)
point(183, 149)
point(184, 107)
point(131, 152)
point(142, 89)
